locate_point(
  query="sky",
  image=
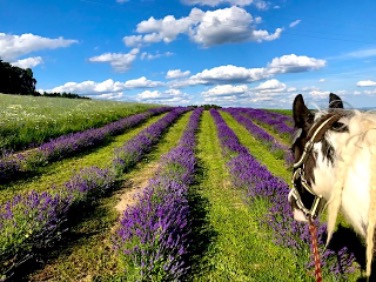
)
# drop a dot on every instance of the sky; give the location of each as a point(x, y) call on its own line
point(232, 53)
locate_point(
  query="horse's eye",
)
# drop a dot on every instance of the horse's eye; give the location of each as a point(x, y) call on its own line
point(339, 127)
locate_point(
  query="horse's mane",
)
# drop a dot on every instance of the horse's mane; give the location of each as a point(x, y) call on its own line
point(361, 135)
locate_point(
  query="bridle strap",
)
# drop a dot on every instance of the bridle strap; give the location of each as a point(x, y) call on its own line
point(315, 134)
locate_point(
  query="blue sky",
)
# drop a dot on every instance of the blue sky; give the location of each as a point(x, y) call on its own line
point(249, 53)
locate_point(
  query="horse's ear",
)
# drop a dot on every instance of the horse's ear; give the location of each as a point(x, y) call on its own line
point(302, 116)
point(335, 102)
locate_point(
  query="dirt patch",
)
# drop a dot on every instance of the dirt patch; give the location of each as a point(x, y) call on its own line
point(134, 186)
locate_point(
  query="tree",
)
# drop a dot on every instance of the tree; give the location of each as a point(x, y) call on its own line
point(15, 80)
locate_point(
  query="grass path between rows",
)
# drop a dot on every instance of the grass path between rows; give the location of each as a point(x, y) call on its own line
point(240, 250)
point(89, 254)
point(59, 172)
point(279, 137)
point(258, 149)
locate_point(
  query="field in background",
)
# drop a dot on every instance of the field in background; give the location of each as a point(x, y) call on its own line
point(28, 120)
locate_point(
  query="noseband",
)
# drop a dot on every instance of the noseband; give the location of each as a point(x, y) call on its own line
point(315, 135)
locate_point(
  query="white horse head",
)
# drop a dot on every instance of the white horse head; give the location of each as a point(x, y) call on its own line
point(335, 164)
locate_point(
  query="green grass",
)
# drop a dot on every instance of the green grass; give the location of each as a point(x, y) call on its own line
point(91, 256)
point(240, 250)
point(28, 119)
point(281, 111)
point(258, 149)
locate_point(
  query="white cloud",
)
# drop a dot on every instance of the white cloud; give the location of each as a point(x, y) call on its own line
point(89, 87)
point(262, 5)
point(177, 73)
point(262, 95)
point(228, 25)
point(170, 96)
point(166, 29)
point(357, 54)
point(322, 80)
point(142, 82)
point(149, 56)
point(109, 87)
point(294, 23)
point(271, 85)
point(226, 90)
point(119, 61)
point(28, 62)
point(269, 90)
point(223, 100)
point(147, 95)
point(293, 63)
point(366, 83)
point(228, 74)
point(319, 93)
point(231, 74)
point(13, 46)
point(370, 92)
point(110, 96)
point(133, 40)
point(363, 53)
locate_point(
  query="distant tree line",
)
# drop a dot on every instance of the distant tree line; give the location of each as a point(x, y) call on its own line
point(62, 95)
point(16, 80)
point(207, 106)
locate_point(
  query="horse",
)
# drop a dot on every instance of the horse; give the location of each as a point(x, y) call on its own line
point(335, 167)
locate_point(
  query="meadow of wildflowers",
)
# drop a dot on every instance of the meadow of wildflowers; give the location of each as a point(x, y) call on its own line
point(27, 121)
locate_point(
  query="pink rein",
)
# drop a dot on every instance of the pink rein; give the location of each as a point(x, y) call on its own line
point(313, 232)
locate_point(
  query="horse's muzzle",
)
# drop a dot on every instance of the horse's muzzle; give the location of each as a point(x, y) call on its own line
point(298, 213)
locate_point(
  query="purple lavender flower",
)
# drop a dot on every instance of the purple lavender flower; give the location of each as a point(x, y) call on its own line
point(154, 235)
point(12, 165)
point(132, 151)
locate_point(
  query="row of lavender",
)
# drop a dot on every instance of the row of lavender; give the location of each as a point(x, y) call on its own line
point(249, 174)
point(280, 123)
point(31, 222)
point(12, 166)
point(153, 235)
point(279, 150)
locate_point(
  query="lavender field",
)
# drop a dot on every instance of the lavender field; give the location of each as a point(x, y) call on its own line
point(162, 194)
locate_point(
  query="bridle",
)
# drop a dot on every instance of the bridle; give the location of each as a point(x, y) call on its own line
point(315, 135)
